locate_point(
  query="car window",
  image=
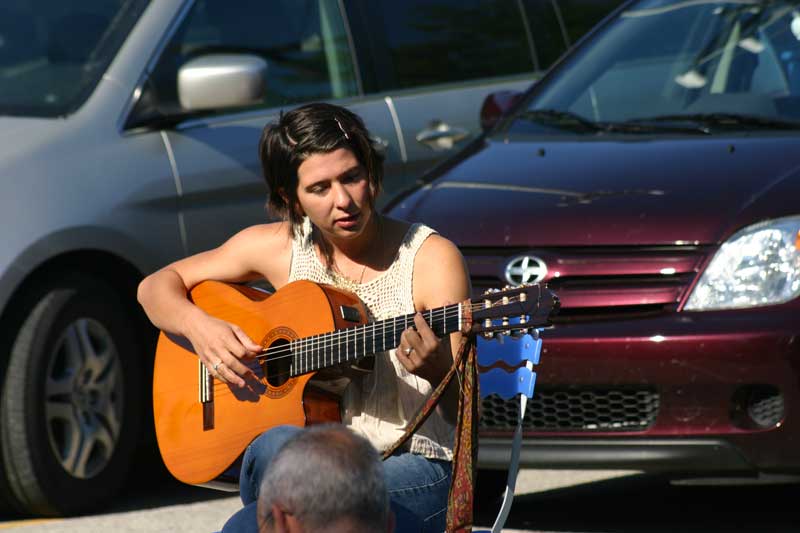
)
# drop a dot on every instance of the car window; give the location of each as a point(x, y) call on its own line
point(660, 60)
point(580, 16)
point(53, 53)
point(549, 35)
point(425, 42)
point(304, 43)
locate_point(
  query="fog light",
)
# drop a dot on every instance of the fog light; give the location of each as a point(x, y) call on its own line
point(758, 406)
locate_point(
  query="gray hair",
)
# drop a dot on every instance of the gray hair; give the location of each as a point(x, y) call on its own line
point(324, 474)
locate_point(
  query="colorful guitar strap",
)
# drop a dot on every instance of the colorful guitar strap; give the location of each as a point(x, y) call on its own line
point(465, 449)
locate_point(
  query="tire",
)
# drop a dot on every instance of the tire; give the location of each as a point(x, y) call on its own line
point(71, 405)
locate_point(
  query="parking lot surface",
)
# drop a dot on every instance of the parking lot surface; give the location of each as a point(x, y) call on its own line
point(174, 507)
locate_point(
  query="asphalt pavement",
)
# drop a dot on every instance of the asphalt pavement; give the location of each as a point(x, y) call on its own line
point(169, 506)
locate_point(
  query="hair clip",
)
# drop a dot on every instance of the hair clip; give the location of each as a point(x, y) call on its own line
point(346, 136)
point(285, 130)
point(289, 137)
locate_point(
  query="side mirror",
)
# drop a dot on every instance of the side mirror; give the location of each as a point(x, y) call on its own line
point(496, 105)
point(222, 80)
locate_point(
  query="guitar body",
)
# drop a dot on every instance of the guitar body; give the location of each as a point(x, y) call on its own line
point(202, 424)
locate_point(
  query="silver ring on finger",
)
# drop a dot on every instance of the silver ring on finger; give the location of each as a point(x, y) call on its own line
point(409, 350)
point(216, 366)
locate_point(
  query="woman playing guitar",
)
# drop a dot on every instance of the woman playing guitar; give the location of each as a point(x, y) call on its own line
point(323, 175)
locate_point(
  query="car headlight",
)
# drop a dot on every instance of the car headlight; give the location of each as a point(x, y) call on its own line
point(759, 265)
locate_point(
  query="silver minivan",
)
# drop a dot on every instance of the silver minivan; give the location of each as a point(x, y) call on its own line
point(128, 133)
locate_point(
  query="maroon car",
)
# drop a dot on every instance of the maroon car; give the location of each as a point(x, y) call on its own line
point(652, 179)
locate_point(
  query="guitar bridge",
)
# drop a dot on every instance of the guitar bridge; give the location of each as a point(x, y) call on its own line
point(206, 389)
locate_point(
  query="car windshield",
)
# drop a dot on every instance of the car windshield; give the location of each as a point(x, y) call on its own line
point(53, 53)
point(666, 65)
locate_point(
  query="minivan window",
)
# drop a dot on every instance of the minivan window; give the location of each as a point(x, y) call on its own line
point(663, 62)
point(428, 42)
point(53, 53)
point(304, 43)
point(580, 16)
point(549, 35)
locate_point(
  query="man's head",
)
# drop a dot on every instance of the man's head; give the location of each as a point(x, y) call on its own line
point(325, 479)
point(307, 130)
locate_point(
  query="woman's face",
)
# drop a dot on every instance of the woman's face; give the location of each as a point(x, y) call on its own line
point(333, 191)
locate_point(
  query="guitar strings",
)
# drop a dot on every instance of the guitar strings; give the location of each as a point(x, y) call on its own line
point(347, 334)
point(447, 312)
point(437, 317)
point(286, 350)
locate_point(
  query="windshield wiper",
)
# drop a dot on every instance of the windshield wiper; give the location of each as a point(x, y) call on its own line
point(636, 126)
point(562, 119)
point(725, 120)
point(567, 119)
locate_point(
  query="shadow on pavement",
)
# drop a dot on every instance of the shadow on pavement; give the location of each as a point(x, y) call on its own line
point(157, 488)
point(647, 503)
point(151, 487)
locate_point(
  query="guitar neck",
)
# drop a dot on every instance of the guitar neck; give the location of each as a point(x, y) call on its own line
point(343, 345)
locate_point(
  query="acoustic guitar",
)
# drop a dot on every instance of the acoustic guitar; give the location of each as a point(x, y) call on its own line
point(311, 335)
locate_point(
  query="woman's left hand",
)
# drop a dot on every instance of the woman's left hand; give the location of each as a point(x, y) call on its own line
point(422, 353)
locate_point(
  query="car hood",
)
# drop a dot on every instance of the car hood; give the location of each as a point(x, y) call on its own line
point(609, 192)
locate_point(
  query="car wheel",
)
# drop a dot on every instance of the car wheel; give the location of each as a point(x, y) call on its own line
point(71, 401)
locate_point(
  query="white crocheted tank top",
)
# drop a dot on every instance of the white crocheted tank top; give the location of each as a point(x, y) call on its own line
point(381, 403)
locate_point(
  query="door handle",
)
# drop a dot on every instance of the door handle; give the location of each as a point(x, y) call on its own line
point(380, 144)
point(441, 136)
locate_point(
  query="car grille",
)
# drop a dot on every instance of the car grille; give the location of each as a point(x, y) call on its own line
point(586, 409)
point(603, 282)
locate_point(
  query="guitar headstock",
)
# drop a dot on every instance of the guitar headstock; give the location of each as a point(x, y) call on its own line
point(514, 309)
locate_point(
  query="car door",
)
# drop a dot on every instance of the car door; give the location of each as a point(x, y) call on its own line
point(435, 61)
point(306, 46)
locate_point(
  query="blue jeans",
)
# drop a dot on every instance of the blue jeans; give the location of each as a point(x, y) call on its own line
point(418, 487)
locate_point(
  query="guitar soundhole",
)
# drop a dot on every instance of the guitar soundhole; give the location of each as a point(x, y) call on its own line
point(279, 365)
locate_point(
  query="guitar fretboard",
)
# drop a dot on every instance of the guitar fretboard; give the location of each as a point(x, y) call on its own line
point(348, 344)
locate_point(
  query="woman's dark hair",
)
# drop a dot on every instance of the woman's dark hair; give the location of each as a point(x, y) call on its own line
point(307, 130)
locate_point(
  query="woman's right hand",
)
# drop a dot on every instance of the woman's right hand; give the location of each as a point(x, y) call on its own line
point(221, 346)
